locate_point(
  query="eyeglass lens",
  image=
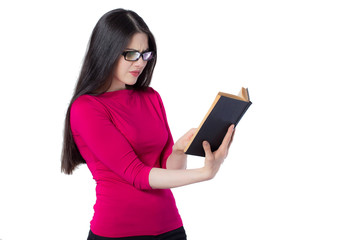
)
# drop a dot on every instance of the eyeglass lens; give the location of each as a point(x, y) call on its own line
point(135, 55)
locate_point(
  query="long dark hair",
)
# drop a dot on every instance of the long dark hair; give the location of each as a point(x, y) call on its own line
point(108, 40)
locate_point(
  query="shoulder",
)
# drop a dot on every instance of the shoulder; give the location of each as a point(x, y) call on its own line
point(150, 91)
point(153, 93)
point(86, 106)
point(156, 99)
point(84, 102)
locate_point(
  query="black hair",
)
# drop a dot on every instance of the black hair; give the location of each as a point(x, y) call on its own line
point(110, 37)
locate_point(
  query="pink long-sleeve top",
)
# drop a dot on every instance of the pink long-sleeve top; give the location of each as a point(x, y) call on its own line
point(122, 135)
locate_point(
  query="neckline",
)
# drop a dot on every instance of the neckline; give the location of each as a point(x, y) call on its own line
point(116, 92)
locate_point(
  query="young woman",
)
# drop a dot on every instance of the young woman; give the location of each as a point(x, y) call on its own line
point(117, 125)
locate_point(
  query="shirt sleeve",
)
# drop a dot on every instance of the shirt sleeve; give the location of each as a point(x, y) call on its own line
point(170, 142)
point(91, 121)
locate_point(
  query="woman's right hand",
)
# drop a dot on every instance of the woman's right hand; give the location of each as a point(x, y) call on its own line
point(213, 160)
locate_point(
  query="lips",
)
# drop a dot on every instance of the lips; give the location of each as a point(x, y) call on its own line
point(135, 73)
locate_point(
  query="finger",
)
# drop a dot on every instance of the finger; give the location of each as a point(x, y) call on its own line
point(227, 139)
point(207, 149)
point(228, 147)
point(192, 130)
point(232, 137)
point(190, 133)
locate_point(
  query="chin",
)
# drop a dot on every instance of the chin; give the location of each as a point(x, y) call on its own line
point(131, 82)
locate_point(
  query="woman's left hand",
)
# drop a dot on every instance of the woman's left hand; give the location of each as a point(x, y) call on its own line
point(182, 143)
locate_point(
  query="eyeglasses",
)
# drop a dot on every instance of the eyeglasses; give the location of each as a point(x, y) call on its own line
point(135, 55)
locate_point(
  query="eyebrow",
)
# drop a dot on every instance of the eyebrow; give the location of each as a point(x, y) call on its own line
point(132, 49)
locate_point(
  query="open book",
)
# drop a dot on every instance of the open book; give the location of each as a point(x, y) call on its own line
point(226, 109)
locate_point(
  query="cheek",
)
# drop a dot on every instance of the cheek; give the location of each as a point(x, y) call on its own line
point(122, 67)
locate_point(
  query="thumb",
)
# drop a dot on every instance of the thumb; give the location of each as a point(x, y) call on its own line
point(207, 149)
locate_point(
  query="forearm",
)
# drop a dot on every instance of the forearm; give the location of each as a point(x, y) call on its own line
point(164, 178)
point(168, 178)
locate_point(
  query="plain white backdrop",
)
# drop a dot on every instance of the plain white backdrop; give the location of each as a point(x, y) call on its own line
point(294, 168)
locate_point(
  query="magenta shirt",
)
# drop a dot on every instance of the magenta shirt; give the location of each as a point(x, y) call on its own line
point(122, 135)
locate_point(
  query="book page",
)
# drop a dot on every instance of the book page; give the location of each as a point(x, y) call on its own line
point(243, 95)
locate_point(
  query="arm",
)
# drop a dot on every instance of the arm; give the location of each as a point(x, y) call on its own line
point(91, 122)
point(173, 157)
point(178, 159)
point(168, 178)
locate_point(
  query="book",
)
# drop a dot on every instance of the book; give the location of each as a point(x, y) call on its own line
point(227, 109)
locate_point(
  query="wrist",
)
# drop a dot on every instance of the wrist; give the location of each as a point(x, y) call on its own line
point(177, 159)
point(177, 151)
point(206, 174)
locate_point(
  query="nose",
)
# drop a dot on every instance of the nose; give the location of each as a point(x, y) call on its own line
point(140, 63)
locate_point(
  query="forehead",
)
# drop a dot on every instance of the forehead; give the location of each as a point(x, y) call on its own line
point(139, 41)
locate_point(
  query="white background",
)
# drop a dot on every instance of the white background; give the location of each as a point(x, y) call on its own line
point(294, 168)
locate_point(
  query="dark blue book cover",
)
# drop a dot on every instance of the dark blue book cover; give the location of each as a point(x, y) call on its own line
point(226, 109)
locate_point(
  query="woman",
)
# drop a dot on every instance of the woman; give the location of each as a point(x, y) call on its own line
point(117, 125)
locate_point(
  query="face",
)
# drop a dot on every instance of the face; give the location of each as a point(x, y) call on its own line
point(127, 72)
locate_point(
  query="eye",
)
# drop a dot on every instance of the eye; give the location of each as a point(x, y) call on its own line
point(147, 56)
point(132, 55)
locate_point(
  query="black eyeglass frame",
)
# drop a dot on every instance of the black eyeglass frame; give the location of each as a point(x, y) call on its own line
point(141, 54)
